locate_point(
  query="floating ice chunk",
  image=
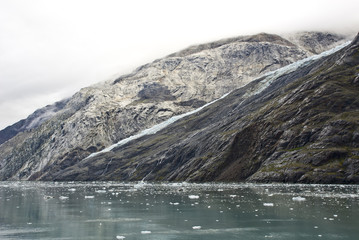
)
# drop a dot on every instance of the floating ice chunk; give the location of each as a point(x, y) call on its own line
point(193, 196)
point(298, 199)
point(72, 189)
point(232, 196)
point(120, 237)
point(48, 197)
point(146, 232)
point(100, 191)
point(63, 197)
point(268, 204)
point(89, 197)
point(196, 227)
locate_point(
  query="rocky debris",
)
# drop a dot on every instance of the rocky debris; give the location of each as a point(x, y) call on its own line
point(103, 114)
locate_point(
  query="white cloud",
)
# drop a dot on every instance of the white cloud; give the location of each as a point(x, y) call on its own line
point(49, 49)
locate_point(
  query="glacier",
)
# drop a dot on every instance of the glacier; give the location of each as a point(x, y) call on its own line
point(267, 80)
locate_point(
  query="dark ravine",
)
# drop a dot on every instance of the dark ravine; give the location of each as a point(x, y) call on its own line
point(303, 128)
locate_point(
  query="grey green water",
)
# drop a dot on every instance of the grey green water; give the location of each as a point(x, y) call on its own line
point(111, 210)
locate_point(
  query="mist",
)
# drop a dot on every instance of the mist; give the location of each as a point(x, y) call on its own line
point(51, 49)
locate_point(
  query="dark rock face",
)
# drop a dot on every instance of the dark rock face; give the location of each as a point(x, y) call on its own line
point(155, 92)
point(303, 127)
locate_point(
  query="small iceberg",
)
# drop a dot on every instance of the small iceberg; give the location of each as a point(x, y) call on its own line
point(298, 199)
point(268, 204)
point(100, 191)
point(196, 227)
point(120, 237)
point(48, 197)
point(145, 232)
point(193, 197)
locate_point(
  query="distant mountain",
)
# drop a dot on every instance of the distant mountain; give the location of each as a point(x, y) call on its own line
point(101, 115)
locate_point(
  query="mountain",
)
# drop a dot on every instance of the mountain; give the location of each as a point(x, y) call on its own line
point(201, 147)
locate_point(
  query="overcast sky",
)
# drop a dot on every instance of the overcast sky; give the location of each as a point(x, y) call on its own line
point(49, 49)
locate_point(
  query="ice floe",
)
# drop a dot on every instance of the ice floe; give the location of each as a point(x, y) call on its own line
point(298, 199)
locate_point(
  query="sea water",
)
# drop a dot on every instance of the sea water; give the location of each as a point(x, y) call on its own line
point(113, 210)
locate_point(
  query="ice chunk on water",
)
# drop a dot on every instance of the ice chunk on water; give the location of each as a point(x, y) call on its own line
point(100, 191)
point(120, 237)
point(89, 197)
point(48, 197)
point(193, 197)
point(268, 204)
point(196, 227)
point(145, 232)
point(298, 199)
point(63, 197)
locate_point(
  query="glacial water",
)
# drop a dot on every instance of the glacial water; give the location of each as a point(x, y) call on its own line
point(112, 210)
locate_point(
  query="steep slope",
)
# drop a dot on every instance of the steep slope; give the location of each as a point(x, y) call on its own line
point(298, 124)
point(100, 115)
point(33, 121)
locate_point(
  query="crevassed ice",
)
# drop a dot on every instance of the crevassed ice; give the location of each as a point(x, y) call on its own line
point(269, 78)
point(154, 129)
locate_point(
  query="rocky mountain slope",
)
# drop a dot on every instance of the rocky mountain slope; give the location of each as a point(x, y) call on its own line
point(298, 124)
point(103, 114)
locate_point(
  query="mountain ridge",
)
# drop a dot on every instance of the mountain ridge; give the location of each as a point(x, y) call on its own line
point(101, 115)
point(252, 139)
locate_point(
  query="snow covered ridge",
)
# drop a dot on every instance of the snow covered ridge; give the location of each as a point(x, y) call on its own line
point(153, 129)
point(268, 79)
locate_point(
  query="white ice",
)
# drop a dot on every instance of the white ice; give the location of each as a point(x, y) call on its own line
point(298, 199)
point(196, 227)
point(193, 197)
point(268, 204)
